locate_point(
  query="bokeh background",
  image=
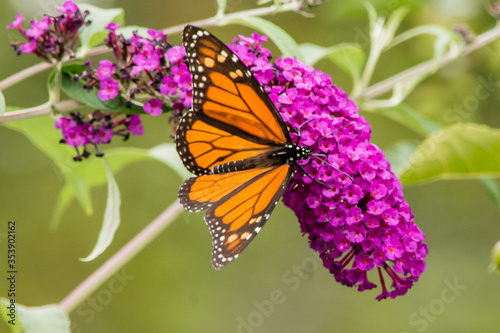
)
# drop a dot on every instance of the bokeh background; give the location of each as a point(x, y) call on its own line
point(171, 286)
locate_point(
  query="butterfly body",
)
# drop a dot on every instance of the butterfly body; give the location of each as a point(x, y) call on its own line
point(236, 143)
point(273, 157)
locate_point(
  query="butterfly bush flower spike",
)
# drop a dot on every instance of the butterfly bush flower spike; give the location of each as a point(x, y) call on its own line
point(52, 37)
point(147, 70)
point(81, 131)
point(360, 221)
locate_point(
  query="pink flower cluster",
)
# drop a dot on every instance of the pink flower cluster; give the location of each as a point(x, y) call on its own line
point(354, 213)
point(95, 129)
point(149, 66)
point(53, 36)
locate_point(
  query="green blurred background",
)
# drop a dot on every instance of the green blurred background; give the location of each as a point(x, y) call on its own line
point(171, 285)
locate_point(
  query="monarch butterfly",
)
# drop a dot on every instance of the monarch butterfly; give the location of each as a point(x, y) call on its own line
point(236, 143)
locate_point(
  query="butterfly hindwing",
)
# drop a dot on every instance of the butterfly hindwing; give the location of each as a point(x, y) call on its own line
point(226, 94)
point(238, 205)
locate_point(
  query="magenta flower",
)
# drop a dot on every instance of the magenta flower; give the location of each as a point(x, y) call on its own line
point(17, 22)
point(64, 124)
point(134, 125)
point(168, 86)
point(79, 135)
point(359, 221)
point(38, 27)
point(157, 34)
point(176, 54)
point(145, 62)
point(28, 47)
point(53, 37)
point(69, 7)
point(153, 107)
point(81, 131)
point(113, 26)
point(102, 135)
point(105, 70)
point(109, 89)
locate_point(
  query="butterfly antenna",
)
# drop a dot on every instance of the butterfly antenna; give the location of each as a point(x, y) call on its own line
point(300, 128)
point(326, 162)
point(315, 180)
point(323, 155)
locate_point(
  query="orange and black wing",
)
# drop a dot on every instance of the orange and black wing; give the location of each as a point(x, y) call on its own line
point(202, 146)
point(226, 95)
point(238, 203)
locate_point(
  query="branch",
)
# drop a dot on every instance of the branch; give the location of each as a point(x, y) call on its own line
point(124, 255)
point(430, 66)
point(213, 21)
point(39, 110)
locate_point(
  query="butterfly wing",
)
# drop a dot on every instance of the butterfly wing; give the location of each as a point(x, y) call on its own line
point(202, 146)
point(227, 95)
point(239, 204)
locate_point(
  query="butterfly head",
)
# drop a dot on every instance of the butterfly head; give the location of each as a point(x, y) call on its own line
point(302, 153)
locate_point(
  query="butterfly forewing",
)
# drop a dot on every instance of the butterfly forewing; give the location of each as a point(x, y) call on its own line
point(226, 94)
point(202, 146)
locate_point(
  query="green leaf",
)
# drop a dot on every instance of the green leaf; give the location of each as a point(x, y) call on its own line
point(118, 158)
point(399, 155)
point(42, 133)
point(79, 186)
point(410, 118)
point(460, 151)
point(2, 104)
point(445, 39)
point(167, 154)
point(493, 188)
point(96, 32)
point(111, 216)
point(63, 201)
point(394, 22)
point(382, 29)
point(49, 318)
point(372, 15)
point(313, 53)
point(75, 90)
point(347, 56)
point(280, 37)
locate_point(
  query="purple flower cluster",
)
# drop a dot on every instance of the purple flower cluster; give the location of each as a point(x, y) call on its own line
point(147, 70)
point(97, 128)
point(354, 213)
point(53, 36)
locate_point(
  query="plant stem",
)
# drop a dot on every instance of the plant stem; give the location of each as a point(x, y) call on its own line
point(376, 48)
point(123, 256)
point(430, 66)
point(226, 19)
point(212, 21)
point(40, 110)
